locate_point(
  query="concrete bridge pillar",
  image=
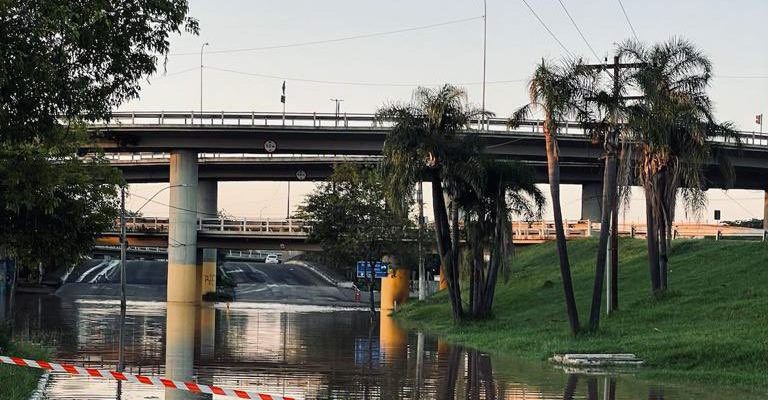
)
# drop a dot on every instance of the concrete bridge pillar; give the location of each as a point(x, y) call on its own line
point(591, 201)
point(394, 287)
point(207, 207)
point(765, 212)
point(182, 270)
point(182, 229)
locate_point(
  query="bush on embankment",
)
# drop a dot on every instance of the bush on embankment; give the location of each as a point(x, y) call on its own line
point(711, 326)
point(18, 383)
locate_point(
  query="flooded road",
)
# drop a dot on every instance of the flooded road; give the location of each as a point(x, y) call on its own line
point(303, 351)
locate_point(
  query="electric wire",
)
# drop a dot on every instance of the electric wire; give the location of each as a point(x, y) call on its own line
point(632, 28)
point(548, 30)
point(381, 84)
point(335, 40)
point(575, 25)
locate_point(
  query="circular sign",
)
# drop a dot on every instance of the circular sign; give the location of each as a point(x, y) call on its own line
point(301, 175)
point(270, 146)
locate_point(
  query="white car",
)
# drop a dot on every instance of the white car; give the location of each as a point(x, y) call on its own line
point(272, 259)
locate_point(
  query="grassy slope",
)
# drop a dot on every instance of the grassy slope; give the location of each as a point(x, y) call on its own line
point(17, 383)
point(712, 326)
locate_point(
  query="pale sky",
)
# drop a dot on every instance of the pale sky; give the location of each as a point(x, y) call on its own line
point(371, 71)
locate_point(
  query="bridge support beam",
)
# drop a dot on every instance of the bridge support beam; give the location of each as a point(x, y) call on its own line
point(765, 212)
point(182, 295)
point(591, 201)
point(182, 228)
point(207, 207)
point(394, 287)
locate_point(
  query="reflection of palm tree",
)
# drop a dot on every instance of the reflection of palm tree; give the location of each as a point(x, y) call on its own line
point(592, 388)
point(570, 387)
point(655, 393)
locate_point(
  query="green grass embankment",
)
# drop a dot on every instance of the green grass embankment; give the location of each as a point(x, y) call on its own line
point(712, 325)
point(18, 383)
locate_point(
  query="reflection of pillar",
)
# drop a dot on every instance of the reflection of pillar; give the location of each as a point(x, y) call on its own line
point(591, 198)
point(207, 207)
point(182, 228)
point(182, 271)
point(393, 340)
point(419, 363)
point(394, 289)
point(3, 283)
point(179, 346)
point(207, 331)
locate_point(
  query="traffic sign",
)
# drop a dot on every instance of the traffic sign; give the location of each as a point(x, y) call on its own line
point(364, 269)
point(301, 175)
point(270, 146)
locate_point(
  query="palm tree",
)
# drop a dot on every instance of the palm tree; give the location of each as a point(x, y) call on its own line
point(507, 187)
point(559, 91)
point(672, 130)
point(430, 138)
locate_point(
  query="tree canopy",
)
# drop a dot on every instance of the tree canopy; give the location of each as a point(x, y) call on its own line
point(62, 64)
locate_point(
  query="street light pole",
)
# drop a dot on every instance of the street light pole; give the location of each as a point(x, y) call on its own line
point(123, 269)
point(485, 35)
point(338, 108)
point(201, 81)
point(422, 272)
point(123, 305)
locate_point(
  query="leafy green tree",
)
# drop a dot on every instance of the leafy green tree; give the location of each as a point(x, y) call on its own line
point(672, 128)
point(352, 221)
point(431, 139)
point(64, 64)
point(560, 92)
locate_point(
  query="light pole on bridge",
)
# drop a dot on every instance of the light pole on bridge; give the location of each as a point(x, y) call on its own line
point(201, 81)
point(338, 109)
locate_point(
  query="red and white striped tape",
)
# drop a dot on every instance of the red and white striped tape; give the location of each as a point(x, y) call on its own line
point(146, 380)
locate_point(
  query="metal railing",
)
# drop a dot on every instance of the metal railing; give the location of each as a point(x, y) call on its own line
point(345, 121)
point(522, 231)
point(289, 227)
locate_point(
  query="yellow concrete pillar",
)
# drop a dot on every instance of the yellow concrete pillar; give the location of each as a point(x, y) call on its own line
point(394, 289)
point(443, 279)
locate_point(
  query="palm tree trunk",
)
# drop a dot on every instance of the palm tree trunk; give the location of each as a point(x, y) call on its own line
point(553, 171)
point(497, 253)
point(609, 197)
point(663, 254)
point(444, 247)
point(455, 266)
point(652, 238)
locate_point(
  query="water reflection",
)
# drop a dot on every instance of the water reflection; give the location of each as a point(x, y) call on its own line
point(306, 352)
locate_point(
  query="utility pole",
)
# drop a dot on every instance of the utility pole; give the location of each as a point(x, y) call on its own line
point(609, 218)
point(338, 109)
point(123, 301)
point(422, 272)
point(485, 35)
point(201, 81)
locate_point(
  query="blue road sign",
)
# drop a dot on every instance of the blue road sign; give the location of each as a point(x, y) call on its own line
point(364, 269)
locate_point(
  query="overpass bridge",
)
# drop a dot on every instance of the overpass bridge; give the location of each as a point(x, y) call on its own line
point(199, 149)
point(291, 234)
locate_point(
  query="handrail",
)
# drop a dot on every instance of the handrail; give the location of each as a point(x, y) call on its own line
point(521, 230)
point(345, 121)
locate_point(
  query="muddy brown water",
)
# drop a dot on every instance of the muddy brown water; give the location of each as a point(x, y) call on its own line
point(308, 352)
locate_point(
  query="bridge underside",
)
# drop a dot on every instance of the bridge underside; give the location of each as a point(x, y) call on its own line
point(228, 241)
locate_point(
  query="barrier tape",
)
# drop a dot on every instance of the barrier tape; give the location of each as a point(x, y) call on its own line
point(146, 380)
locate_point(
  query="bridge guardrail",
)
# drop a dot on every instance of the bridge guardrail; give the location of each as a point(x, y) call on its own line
point(343, 121)
point(522, 231)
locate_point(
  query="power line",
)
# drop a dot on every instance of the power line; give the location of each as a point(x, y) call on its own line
point(174, 207)
point(628, 21)
point(384, 84)
point(575, 25)
point(341, 39)
point(548, 30)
